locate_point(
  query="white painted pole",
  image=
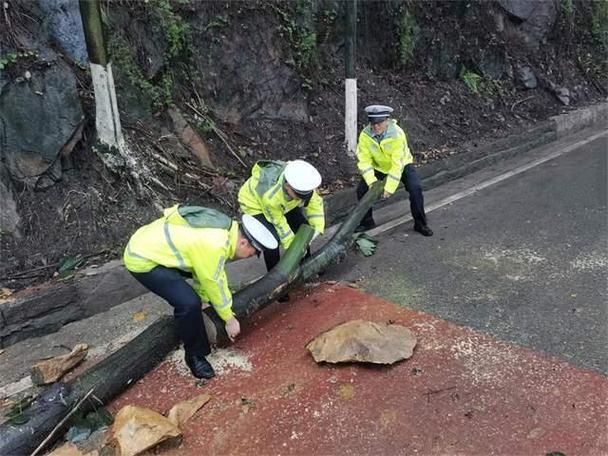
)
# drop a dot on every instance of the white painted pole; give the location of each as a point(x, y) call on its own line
point(107, 118)
point(350, 117)
point(350, 80)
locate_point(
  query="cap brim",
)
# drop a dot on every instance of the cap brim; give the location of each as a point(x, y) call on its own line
point(377, 120)
point(250, 239)
point(305, 196)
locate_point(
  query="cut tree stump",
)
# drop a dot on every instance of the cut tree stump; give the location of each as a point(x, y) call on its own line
point(51, 370)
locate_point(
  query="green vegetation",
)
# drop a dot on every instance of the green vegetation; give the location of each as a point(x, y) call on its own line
point(7, 59)
point(501, 89)
point(599, 23)
point(176, 31)
point(485, 86)
point(567, 7)
point(206, 126)
point(15, 413)
point(13, 57)
point(408, 31)
point(124, 62)
point(160, 89)
point(302, 40)
point(471, 79)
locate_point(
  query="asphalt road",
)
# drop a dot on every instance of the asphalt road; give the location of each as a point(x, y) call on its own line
point(524, 260)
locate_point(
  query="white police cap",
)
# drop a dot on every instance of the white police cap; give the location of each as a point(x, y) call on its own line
point(257, 234)
point(377, 113)
point(302, 176)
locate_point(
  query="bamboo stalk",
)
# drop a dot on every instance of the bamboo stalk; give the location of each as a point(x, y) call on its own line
point(338, 245)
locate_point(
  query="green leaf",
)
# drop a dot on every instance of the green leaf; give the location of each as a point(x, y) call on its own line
point(15, 413)
point(82, 426)
point(99, 418)
point(77, 434)
point(365, 244)
point(69, 264)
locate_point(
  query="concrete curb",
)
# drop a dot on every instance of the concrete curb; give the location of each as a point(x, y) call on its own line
point(564, 124)
point(46, 308)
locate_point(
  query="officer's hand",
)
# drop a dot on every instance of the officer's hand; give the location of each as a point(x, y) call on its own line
point(386, 195)
point(233, 328)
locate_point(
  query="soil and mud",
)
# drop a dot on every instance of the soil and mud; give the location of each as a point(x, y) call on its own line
point(263, 80)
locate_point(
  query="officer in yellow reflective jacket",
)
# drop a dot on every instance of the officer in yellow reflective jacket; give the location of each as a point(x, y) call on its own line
point(193, 241)
point(282, 195)
point(382, 152)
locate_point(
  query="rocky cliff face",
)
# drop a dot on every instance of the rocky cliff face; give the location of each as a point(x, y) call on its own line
point(256, 80)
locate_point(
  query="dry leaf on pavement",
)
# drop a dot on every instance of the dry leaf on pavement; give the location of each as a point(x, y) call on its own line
point(137, 429)
point(139, 316)
point(183, 411)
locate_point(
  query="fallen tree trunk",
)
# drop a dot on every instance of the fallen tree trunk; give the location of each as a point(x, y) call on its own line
point(337, 247)
point(107, 379)
point(113, 375)
point(289, 273)
point(259, 294)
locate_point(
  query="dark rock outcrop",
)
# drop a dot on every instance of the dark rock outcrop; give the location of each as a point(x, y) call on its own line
point(62, 19)
point(238, 87)
point(39, 113)
point(532, 19)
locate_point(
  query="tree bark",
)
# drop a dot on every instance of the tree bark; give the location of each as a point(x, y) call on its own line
point(90, 13)
point(107, 379)
point(335, 249)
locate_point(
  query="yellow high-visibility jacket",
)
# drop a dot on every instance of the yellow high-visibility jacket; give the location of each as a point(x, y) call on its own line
point(388, 157)
point(180, 240)
point(264, 193)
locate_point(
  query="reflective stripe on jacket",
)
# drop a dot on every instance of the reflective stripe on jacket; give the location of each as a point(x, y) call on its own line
point(173, 242)
point(264, 193)
point(388, 157)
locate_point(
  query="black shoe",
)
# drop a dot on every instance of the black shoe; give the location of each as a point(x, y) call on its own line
point(423, 229)
point(200, 367)
point(365, 225)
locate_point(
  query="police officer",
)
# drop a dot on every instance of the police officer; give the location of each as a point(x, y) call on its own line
point(382, 151)
point(282, 196)
point(193, 241)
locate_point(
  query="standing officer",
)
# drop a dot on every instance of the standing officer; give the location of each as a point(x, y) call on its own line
point(192, 241)
point(382, 152)
point(282, 196)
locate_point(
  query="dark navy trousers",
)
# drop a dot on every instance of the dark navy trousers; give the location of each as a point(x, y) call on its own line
point(295, 218)
point(170, 284)
point(411, 181)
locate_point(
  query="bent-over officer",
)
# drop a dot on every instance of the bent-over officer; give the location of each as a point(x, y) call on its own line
point(282, 195)
point(382, 151)
point(193, 241)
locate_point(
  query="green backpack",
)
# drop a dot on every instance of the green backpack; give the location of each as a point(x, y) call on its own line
point(204, 217)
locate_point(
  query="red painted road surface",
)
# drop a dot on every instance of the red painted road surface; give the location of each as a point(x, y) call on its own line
point(461, 393)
